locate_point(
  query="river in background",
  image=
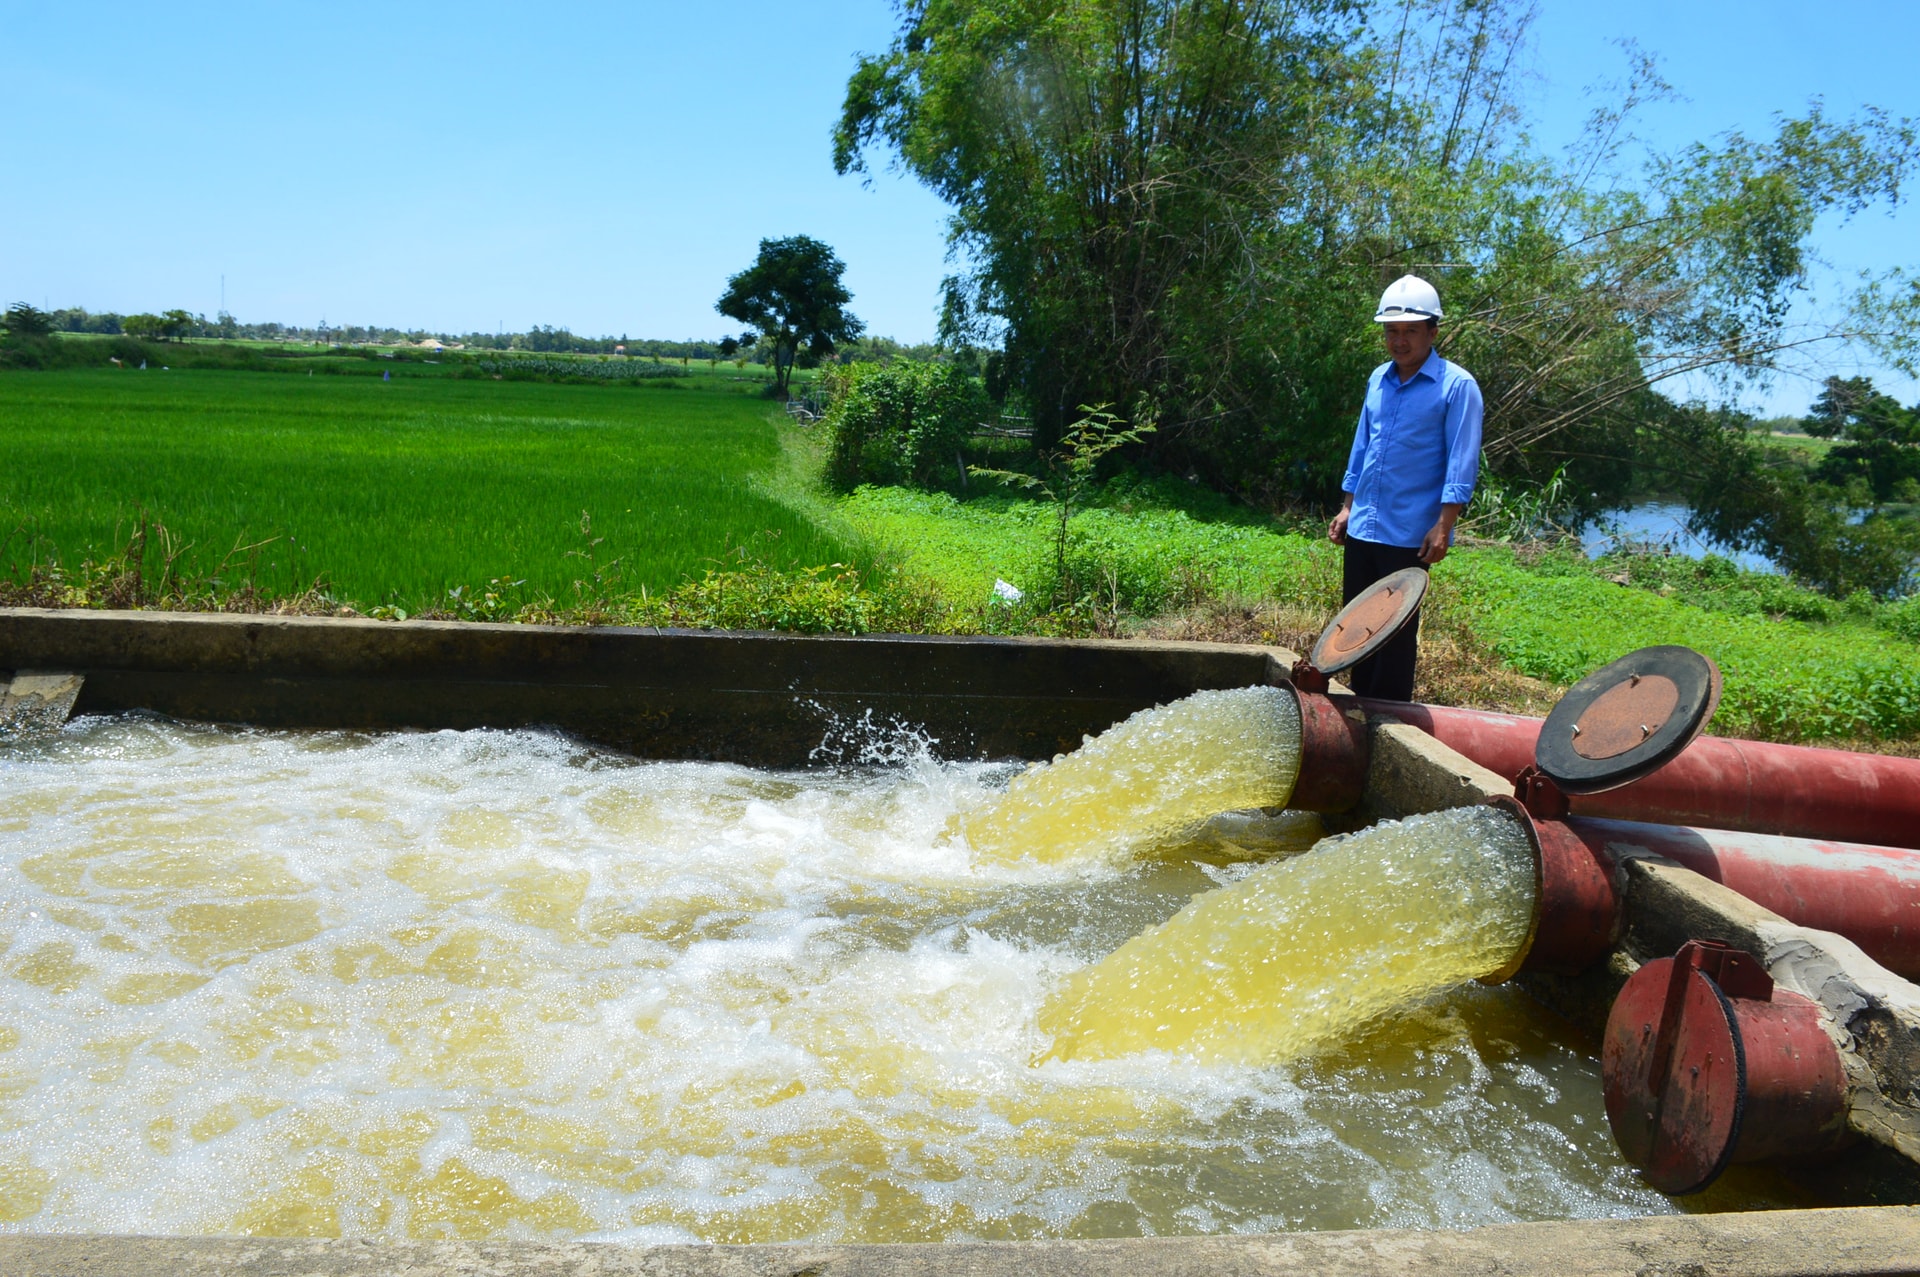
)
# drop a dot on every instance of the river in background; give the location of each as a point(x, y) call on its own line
point(1662, 526)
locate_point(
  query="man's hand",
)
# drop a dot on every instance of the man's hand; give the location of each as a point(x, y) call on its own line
point(1433, 546)
point(1337, 530)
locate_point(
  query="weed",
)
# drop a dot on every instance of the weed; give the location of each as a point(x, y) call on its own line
point(1072, 466)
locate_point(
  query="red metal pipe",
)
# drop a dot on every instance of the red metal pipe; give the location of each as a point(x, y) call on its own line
point(1716, 782)
point(1333, 755)
point(1576, 912)
point(1871, 895)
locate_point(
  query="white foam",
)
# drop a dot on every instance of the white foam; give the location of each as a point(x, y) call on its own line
point(497, 983)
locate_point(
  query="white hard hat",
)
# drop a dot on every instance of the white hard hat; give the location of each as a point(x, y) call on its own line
point(1407, 299)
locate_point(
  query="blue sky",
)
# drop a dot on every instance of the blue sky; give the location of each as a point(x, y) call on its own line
point(606, 167)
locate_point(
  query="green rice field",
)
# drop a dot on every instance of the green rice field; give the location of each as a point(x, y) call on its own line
point(394, 493)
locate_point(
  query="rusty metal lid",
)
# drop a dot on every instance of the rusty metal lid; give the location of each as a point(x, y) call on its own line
point(1673, 1072)
point(1364, 625)
point(1628, 719)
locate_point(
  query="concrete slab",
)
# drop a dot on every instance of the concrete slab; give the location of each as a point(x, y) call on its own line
point(37, 700)
point(1826, 1243)
point(1410, 772)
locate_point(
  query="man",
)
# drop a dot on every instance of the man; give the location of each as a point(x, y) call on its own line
point(1415, 457)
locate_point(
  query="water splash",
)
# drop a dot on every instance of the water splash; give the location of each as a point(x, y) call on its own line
point(1150, 781)
point(1306, 951)
point(554, 992)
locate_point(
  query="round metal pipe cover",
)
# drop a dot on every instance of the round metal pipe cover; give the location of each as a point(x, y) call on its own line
point(1363, 626)
point(1627, 719)
point(1704, 1063)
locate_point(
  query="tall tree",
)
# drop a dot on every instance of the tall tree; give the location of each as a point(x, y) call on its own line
point(24, 319)
point(1880, 448)
point(1121, 172)
point(793, 295)
point(144, 326)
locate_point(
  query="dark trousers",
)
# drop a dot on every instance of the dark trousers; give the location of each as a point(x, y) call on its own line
point(1388, 674)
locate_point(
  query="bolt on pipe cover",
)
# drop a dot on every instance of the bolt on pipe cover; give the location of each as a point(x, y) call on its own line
point(1363, 626)
point(1628, 719)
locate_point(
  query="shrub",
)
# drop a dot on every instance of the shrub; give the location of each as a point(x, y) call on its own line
point(899, 422)
point(1903, 618)
point(536, 368)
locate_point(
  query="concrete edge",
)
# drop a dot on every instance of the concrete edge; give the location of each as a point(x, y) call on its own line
point(756, 698)
point(38, 700)
point(1827, 1243)
point(212, 623)
point(1410, 772)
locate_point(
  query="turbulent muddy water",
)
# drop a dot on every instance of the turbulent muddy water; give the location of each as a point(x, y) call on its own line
point(499, 984)
point(1300, 953)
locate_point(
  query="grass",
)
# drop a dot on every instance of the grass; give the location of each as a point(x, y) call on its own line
point(1815, 448)
point(1140, 553)
point(690, 502)
point(395, 493)
point(1559, 617)
point(1503, 629)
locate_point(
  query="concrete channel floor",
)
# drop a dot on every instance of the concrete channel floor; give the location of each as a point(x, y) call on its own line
point(1812, 1243)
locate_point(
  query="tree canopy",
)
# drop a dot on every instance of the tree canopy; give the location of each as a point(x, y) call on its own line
point(793, 295)
point(23, 319)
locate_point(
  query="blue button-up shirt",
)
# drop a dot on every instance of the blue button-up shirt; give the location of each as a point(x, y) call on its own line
point(1417, 448)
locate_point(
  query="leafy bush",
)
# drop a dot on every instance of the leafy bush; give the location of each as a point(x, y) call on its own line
point(1510, 509)
point(536, 368)
point(899, 422)
point(1717, 584)
point(1903, 618)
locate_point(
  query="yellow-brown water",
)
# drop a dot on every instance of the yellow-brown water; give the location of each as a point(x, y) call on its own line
point(1299, 953)
point(497, 984)
point(1148, 781)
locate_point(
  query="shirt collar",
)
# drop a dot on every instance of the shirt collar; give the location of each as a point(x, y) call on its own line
point(1430, 369)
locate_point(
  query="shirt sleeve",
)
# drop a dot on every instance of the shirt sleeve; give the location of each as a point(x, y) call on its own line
point(1463, 429)
point(1357, 456)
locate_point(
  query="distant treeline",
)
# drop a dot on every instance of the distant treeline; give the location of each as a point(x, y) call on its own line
point(540, 339)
